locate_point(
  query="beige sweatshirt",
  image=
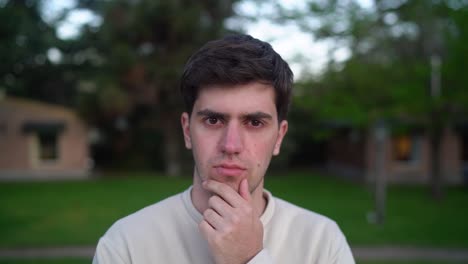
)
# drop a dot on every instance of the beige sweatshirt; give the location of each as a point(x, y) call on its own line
point(167, 232)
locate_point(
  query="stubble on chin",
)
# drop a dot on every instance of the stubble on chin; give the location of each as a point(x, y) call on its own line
point(232, 182)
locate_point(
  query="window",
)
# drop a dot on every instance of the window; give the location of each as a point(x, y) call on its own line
point(44, 146)
point(406, 148)
point(48, 146)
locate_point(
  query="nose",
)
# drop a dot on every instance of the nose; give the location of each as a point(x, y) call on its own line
point(231, 140)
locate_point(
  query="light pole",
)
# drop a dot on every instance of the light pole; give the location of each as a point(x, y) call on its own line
point(380, 184)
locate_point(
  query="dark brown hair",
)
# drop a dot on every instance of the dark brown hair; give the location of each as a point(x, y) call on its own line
point(237, 59)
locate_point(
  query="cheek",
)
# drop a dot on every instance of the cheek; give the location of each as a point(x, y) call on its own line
point(203, 147)
point(263, 150)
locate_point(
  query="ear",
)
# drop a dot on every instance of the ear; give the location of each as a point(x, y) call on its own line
point(283, 128)
point(185, 122)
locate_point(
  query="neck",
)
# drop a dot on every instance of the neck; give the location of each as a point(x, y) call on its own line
point(200, 197)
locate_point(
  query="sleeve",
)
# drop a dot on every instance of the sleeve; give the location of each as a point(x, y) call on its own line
point(107, 254)
point(340, 251)
point(263, 257)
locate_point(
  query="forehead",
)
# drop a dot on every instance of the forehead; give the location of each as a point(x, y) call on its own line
point(245, 98)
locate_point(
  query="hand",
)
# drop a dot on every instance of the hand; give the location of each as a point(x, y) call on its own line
point(233, 231)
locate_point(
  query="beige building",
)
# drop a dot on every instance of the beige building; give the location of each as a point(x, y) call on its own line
point(41, 141)
point(407, 156)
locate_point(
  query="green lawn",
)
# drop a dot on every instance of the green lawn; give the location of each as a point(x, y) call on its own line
point(74, 212)
point(78, 212)
point(413, 218)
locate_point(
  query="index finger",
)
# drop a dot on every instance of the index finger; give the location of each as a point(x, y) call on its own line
point(244, 190)
point(225, 192)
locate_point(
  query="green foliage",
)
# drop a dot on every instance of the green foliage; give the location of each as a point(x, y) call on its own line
point(454, 72)
point(392, 72)
point(26, 40)
point(143, 47)
point(121, 75)
point(388, 74)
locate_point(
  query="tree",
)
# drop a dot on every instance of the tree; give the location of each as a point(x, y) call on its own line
point(28, 42)
point(388, 74)
point(142, 47)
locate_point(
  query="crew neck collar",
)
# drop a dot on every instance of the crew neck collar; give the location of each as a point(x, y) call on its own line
point(197, 217)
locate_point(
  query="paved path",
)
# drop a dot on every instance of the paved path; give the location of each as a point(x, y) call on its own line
point(410, 253)
point(48, 252)
point(361, 253)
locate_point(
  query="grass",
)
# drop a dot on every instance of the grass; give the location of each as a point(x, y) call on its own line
point(79, 212)
point(74, 212)
point(412, 217)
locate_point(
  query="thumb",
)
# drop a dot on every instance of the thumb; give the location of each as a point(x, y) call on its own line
point(244, 190)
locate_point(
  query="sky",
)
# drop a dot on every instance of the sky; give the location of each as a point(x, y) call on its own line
point(70, 26)
point(300, 49)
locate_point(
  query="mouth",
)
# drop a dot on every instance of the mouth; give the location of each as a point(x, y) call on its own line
point(232, 170)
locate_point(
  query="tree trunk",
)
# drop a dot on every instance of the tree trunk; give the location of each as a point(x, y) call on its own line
point(380, 132)
point(172, 138)
point(436, 173)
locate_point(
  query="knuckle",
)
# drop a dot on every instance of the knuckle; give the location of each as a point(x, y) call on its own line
point(208, 213)
point(214, 184)
point(227, 230)
point(213, 200)
point(248, 210)
point(235, 219)
point(202, 225)
point(221, 189)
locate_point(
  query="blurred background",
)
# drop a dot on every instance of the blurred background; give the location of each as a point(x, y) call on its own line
point(378, 139)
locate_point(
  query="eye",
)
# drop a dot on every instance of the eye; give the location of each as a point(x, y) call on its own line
point(255, 123)
point(212, 120)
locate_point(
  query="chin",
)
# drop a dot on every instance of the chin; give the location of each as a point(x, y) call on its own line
point(232, 182)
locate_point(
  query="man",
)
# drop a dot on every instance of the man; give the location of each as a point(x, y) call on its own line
point(236, 92)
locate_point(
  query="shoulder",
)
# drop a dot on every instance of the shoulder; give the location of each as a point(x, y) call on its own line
point(314, 235)
point(140, 221)
point(307, 220)
point(130, 233)
point(286, 209)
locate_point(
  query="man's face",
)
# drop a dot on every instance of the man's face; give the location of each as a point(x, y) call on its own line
point(233, 132)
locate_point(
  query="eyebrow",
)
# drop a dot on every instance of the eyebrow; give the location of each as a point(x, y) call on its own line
point(250, 116)
point(257, 115)
point(211, 113)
